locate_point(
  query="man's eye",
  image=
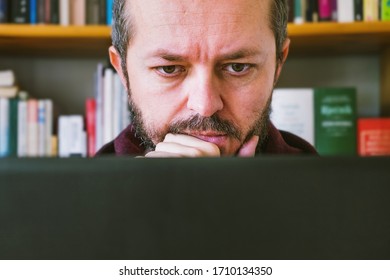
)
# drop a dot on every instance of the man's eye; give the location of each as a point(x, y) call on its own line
point(170, 69)
point(237, 68)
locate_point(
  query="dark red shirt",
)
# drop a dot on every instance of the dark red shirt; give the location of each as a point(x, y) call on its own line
point(277, 142)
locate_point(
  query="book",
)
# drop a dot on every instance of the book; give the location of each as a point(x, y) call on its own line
point(33, 12)
point(358, 10)
point(324, 10)
point(90, 120)
point(48, 127)
point(13, 127)
point(22, 128)
point(370, 10)
point(312, 10)
point(71, 136)
point(385, 10)
point(335, 121)
point(32, 128)
point(4, 126)
point(9, 92)
point(7, 78)
point(77, 12)
point(374, 136)
point(55, 11)
point(40, 7)
point(293, 111)
point(109, 4)
point(20, 11)
point(93, 12)
point(64, 8)
point(3, 11)
point(290, 10)
point(298, 12)
point(345, 11)
point(334, 10)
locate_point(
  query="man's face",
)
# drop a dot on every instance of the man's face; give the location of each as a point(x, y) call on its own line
point(202, 68)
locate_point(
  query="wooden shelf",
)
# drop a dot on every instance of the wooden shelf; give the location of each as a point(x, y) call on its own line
point(54, 40)
point(306, 39)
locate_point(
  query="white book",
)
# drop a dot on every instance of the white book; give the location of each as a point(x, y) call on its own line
point(293, 111)
point(4, 126)
point(64, 12)
point(117, 105)
point(48, 127)
point(22, 128)
point(41, 128)
point(7, 78)
point(108, 94)
point(71, 136)
point(99, 84)
point(32, 128)
point(345, 11)
point(9, 91)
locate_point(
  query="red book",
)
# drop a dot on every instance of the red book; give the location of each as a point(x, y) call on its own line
point(325, 10)
point(374, 137)
point(90, 111)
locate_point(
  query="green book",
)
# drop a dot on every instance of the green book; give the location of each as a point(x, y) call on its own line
point(385, 10)
point(335, 121)
point(13, 127)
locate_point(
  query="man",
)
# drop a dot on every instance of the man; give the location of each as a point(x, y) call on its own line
point(199, 76)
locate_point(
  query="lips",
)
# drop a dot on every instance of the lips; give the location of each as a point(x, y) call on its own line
point(213, 137)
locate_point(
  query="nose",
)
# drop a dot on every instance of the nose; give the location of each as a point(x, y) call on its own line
point(204, 94)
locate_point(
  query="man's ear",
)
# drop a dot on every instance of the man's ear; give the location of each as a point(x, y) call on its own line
point(279, 66)
point(116, 61)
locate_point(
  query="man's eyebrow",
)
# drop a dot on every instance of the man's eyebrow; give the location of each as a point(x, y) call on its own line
point(167, 55)
point(244, 53)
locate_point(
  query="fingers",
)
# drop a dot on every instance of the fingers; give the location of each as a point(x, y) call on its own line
point(248, 149)
point(178, 145)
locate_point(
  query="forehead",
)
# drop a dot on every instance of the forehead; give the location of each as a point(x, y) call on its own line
point(181, 19)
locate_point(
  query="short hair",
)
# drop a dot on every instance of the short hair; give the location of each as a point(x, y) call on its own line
point(123, 28)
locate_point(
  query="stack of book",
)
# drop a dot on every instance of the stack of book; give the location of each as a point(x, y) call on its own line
point(374, 136)
point(325, 117)
point(338, 10)
point(63, 12)
point(26, 124)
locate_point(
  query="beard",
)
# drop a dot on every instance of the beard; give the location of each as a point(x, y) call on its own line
point(147, 134)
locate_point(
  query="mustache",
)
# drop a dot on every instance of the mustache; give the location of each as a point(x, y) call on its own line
point(199, 123)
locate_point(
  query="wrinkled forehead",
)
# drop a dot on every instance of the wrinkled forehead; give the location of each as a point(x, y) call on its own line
point(199, 16)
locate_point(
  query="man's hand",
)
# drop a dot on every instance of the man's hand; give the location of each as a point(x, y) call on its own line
point(179, 145)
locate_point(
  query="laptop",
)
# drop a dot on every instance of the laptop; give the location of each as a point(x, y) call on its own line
point(270, 207)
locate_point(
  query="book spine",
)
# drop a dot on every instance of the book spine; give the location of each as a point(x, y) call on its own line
point(324, 10)
point(298, 16)
point(3, 11)
point(109, 4)
point(20, 11)
point(385, 10)
point(4, 126)
point(54, 12)
point(47, 13)
point(108, 94)
point(13, 127)
point(92, 10)
point(102, 12)
point(77, 12)
point(370, 10)
point(374, 137)
point(335, 121)
point(48, 127)
point(290, 10)
point(33, 12)
point(32, 128)
point(41, 11)
point(22, 128)
point(71, 136)
point(358, 10)
point(334, 10)
point(41, 128)
point(64, 12)
point(345, 10)
point(63, 136)
point(90, 108)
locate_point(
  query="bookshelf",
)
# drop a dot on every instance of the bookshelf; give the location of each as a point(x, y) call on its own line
point(311, 39)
